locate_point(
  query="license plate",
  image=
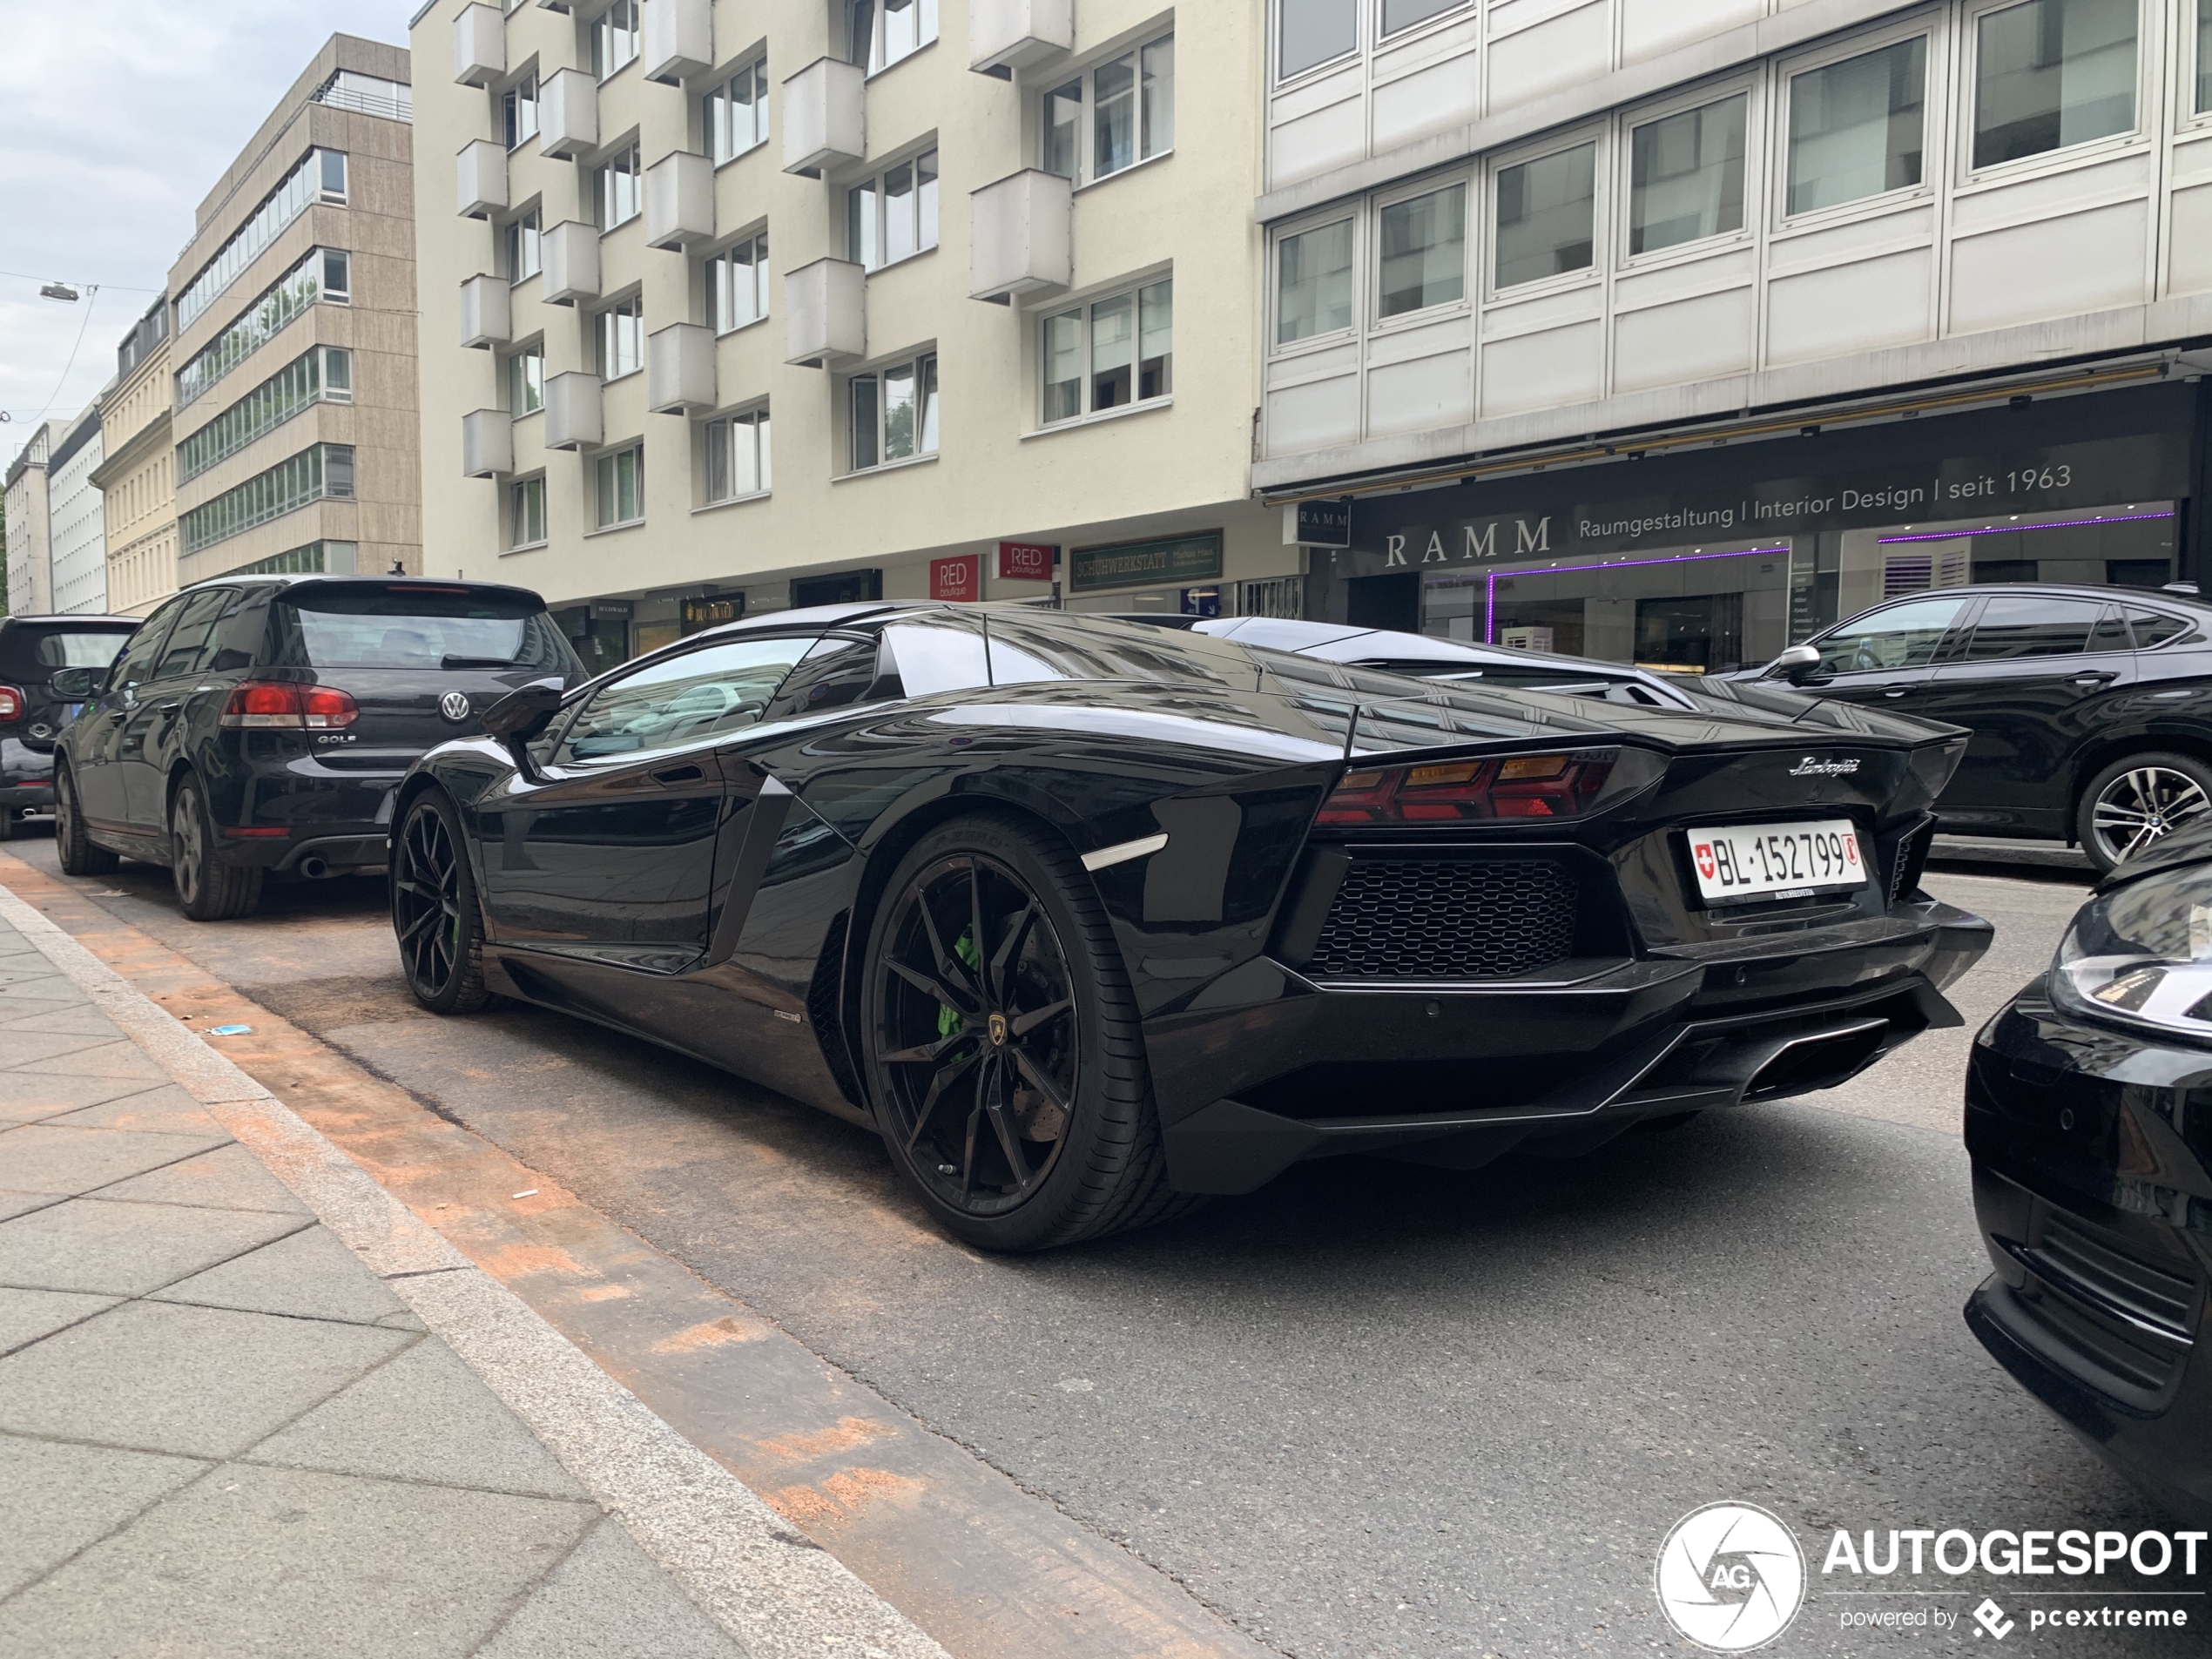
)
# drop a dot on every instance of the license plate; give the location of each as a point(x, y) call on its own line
point(1775, 860)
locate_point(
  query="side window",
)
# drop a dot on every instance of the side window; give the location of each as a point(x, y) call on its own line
point(192, 641)
point(1904, 636)
point(242, 639)
point(2018, 626)
point(679, 701)
point(835, 674)
point(938, 655)
point(2154, 628)
point(135, 666)
point(2111, 631)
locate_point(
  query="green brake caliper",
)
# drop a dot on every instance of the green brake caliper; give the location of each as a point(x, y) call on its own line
point(948, 1019)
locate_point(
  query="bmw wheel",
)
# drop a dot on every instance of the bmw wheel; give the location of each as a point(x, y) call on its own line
point(74, 849)
point(207, 888)
point(2137, 800)
point(1002, 1044)
point(435, 912)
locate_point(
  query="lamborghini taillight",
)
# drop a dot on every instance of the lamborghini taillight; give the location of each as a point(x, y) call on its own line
point(1512, 786)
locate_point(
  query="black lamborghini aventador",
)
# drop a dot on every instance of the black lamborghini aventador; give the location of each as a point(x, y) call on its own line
point(1088, 918)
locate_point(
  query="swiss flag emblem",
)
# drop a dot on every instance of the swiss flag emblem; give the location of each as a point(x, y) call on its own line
point(1704, 853)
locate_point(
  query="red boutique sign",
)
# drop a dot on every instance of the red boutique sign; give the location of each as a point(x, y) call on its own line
point(1026, 561)
point(958, 579)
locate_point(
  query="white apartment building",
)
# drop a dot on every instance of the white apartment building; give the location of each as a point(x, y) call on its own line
point(31, 552)
point(1668, 329)
point(137, 477)
point(78, 517)
point(728, 308)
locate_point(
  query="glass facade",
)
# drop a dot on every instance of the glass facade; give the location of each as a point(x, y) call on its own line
point(320, 176)
point(322, 470)
point(324, 274)
point(317, 558)
point(324, 374)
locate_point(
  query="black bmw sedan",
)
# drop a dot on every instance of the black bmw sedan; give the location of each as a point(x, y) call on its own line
point(1088, 918)
point(260, 723)
point(2090, 1121)
point(2091, 709)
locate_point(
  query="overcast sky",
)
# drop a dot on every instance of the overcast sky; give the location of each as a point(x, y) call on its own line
point(120, 114)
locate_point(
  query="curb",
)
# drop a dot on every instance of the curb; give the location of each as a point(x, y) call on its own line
point(779, 1593)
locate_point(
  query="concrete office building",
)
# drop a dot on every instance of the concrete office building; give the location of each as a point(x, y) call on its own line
point(975, 264)
point(137, 477)
point(1669, 330)
point(294, 338)
point(78, 518)
point(30, 549)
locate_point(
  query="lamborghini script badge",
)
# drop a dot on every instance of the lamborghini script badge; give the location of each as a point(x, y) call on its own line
point(1810, 766)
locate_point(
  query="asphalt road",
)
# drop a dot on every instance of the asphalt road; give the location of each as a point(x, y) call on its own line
point(1374, 1410)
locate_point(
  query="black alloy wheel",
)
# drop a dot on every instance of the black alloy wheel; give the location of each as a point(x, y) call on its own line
point(207, 888)
point(2137, 800)
point(1005, 1057)
point(435, 913)
point(76, 854)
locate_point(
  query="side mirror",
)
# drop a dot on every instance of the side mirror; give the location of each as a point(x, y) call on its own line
point(1795, 665)
point(522, 714)
point(75, 684)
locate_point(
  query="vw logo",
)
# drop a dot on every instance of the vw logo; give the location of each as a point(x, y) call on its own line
point(454, 706)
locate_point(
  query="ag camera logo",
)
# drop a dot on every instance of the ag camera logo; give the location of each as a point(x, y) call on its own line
point(1731, 1577)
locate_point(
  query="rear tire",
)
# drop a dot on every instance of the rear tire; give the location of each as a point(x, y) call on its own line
point(207, 889)
point(77, 855)
point(2138, 801)
point(1016, 1103)
point(8, 818)
point(435, 916)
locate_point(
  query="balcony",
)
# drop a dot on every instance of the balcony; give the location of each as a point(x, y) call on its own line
point(482, 179)
point(825, 117)
point(680, 369)
point(487, 444)
point(825, 313)
point(479, 45)
point(487, 312)
point(1006, 35)
point(678, 39)
point(1020, 236)
point(572, 415)
point(568, 263)
point(680, 201)
point(568, 114)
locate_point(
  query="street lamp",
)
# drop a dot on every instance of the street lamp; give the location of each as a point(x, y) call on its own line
point(59, 291)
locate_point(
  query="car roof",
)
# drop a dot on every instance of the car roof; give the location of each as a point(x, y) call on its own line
point(70, 621)
point(2060, 590)
point(310, 578)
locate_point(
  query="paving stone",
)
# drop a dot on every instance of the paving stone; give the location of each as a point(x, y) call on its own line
point(42, 1157)
point(114, 1249)
point(17, 1046)
point(61, 1498)
point(24, 1097)
point(165, 1110)
point(16, 1204)
point(425, 1416)
point(106, 1059)
point(307, 1565)
point(204, 1382)
point(37, 980)
point(25, 1315)
point(308, 1275)
point(84, 1022)
point(609, 1600)
point(230, 1177)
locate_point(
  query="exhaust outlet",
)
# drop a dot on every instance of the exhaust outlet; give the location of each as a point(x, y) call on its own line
point(314, 868)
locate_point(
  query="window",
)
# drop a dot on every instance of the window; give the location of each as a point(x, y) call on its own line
point(693, 697)
point(2011, 628)
point(2052, 73)
point(622, 339)
point(1686, 176)
point(523, 255)
point(1404, 14)
point(518, 111)
point(621, 479)
point(2203, 56)
point(616, 192)
point(734, 115)
point(1121, 348)
point(895, 413)
point(893, 216)
point(881, 33)
point(337, 278)
point(1857, 128)
point(1903, 637)
point(1313, 32)
point(191, 642)
point(333, 175)
point(737, 284)
point(323, 372)
point(614, 37)
point(526, 380)
point(313, 177)
point(1130, 104)
point(1547, 216)
point(737, 455)
point(1313, 283)
point(1424, 251)
point(526, 512)
point(325, 469)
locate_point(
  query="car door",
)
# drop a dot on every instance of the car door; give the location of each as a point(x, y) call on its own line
point(96, 747)
point(2027, 684)
point(153, 730)
point(1887, 657)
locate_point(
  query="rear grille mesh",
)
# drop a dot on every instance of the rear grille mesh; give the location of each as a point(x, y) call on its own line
point(1439, 919)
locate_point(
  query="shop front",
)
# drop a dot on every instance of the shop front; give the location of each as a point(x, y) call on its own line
point(1714, 559)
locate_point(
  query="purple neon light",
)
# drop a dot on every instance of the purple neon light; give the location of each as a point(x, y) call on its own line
point(2007, 530)
point(1490, 590)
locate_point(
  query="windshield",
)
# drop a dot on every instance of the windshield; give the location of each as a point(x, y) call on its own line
point(372, 625)
point(60, 649)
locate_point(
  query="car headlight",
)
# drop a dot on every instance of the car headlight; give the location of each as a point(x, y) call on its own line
point(2143, 953)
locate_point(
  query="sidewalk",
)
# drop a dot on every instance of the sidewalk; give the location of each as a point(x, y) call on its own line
point(223, 1431)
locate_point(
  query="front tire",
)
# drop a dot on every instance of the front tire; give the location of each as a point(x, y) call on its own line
point(435, 916)
point(76, 854)
point(2138, 800)
point(1003, 1047)
point(207, 888)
